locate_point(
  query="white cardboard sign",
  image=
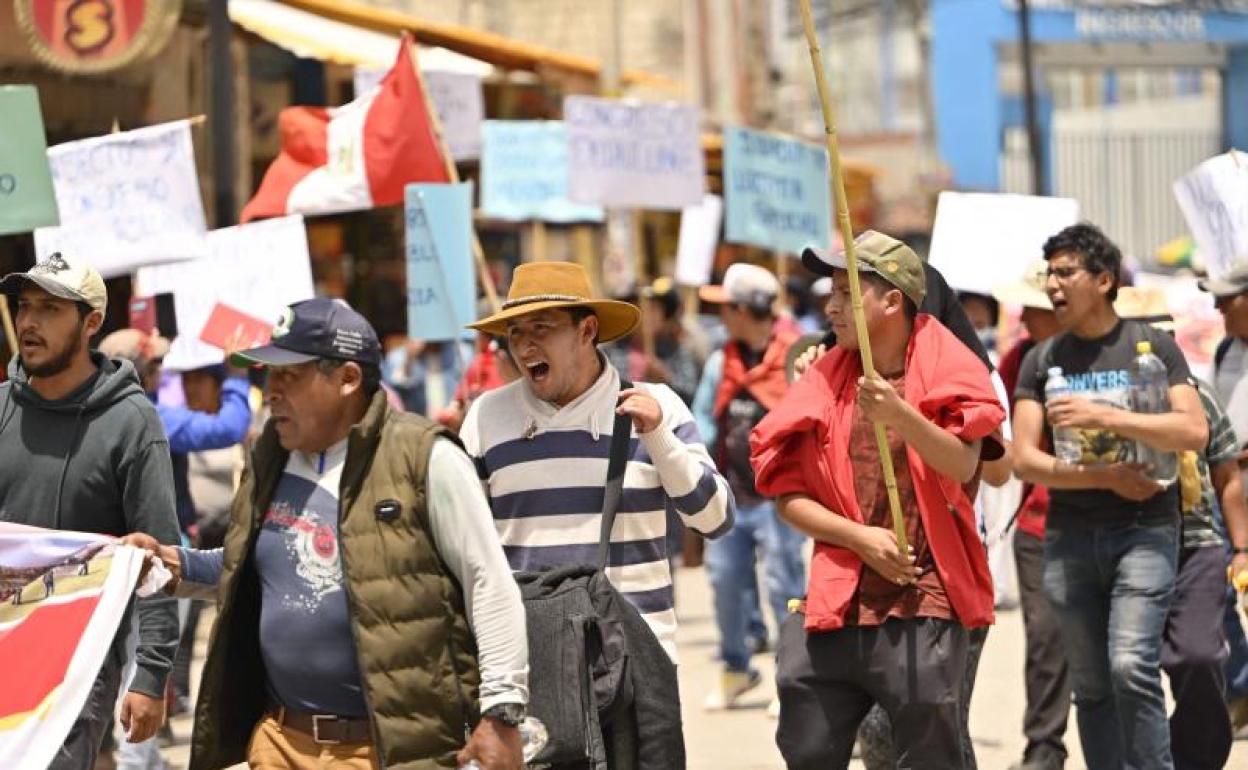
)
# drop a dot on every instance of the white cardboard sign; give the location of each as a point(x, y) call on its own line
point(631, 154)
point(699, 235)
point(258, 268)
point(1214, 200)
point(127, 200)
point(981, 240)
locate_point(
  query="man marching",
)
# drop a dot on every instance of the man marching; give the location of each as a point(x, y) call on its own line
point(881, 625)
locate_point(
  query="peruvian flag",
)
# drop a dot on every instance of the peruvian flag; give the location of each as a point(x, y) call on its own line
point(356, 156)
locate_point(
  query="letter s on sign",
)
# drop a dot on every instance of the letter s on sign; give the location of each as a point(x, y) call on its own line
point(88, 25)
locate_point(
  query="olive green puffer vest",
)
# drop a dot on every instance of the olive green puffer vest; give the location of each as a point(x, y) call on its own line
point(416, 651)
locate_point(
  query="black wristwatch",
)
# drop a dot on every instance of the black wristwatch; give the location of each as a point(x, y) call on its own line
point(510, 714)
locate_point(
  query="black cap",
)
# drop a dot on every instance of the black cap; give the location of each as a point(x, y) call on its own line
point(314, 329)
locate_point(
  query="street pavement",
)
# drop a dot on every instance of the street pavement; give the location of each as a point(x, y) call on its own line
point(744, 738)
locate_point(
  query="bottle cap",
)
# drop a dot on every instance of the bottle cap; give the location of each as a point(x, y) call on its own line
point(1144, 346)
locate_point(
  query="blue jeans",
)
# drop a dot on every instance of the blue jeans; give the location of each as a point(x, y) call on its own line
point(730, 562)
point(1111, 588)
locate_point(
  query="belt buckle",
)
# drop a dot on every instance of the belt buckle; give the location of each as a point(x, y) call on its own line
point(316, 728)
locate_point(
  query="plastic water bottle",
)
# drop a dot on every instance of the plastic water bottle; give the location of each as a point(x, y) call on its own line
point(533, 738)
point(1150, 394)
point(1066, 444)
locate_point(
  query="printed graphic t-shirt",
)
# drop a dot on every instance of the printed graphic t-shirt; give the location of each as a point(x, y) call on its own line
point(305, 625)
point(1099, 369)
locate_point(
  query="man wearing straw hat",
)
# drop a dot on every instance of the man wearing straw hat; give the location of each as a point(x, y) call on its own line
point(1044, 666)
point(542, 445)
point(880, 625)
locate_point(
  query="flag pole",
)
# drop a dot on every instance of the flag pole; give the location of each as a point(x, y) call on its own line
point(10, 336)
point(452, 173)
point(836, 182)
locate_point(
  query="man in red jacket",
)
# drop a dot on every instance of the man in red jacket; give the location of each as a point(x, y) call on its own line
point(881, 625)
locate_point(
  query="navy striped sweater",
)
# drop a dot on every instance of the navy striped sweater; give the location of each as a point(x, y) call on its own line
point(544, 469)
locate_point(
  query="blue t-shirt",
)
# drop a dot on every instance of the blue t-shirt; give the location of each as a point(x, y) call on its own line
point(305, 623)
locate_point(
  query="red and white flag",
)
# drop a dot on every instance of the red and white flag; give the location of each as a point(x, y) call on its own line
point(356, 156)
point(62, 598)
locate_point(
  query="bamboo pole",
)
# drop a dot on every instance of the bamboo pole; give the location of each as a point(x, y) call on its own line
point(837, 184)
point(452, 173)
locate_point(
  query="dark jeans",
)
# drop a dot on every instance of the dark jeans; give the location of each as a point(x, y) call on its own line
point(1111, 586)
point(96, 718)
point(828, 681)
point(1193, 653)
point(1044, 670)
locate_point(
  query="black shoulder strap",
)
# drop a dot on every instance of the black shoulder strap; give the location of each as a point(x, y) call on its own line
point(1220, 353)
point(621, 436)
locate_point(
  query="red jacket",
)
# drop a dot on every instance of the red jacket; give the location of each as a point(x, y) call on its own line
point(801, 447)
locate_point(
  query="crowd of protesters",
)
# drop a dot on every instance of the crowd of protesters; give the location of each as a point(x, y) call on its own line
point(358, 524)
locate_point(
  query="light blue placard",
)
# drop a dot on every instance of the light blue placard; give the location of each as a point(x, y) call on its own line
point(524, 173)
point(441, 288)
point(776, 190)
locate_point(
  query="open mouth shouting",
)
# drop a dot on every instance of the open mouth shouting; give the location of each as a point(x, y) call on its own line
point(537, 371)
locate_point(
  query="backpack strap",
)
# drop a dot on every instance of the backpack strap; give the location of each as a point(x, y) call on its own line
point(621, 436)
point(1220, 353)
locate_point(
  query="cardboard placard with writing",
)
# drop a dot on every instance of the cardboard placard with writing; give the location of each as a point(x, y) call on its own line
point(441, 290)
point(524, 173)
point(127, 200)
point(631, 154)
point(777, 192)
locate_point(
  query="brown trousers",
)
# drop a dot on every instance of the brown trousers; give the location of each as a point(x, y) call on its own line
point(274, 747)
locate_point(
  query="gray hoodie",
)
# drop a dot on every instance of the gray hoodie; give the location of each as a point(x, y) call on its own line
point(94, 461)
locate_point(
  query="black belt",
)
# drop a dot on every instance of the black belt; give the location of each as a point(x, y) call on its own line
point(324, 728)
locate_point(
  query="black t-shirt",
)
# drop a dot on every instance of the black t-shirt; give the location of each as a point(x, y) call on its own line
point(1099, 369)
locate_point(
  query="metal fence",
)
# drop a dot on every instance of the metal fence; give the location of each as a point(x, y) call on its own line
point(1122, 178)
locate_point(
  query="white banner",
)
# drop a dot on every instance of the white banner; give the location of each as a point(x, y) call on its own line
point(127, 200)
point(631, 154)
point(457, 99)
point(699, 235)
point(1214, 200)
point(258, 268)
point(62, 598)
point(981, 240)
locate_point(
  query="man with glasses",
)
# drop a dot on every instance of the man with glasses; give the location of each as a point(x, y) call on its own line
point(1112, 537)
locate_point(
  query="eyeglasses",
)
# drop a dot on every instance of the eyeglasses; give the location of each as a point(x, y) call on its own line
point(1064, 274)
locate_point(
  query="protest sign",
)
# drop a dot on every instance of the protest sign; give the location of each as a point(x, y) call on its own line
point(699, 235)
point(777, 191)
point(26, 197)
point(457, 100)
point(441, 292)
point(524, 173)
point(127, 200)
point(258, 268)
point(1214, 200)
point(633, 154)
point(981, 240)
point(62, 597)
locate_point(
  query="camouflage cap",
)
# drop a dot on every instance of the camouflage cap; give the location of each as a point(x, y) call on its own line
point(877, 253)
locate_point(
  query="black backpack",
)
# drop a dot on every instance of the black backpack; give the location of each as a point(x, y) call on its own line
point(599, 680)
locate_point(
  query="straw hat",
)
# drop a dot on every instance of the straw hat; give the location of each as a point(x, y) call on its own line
point(555, 285)
point(1027, 291)
point(1147, 305)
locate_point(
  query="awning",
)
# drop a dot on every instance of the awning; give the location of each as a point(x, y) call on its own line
point(498, 50)
point(311, 36)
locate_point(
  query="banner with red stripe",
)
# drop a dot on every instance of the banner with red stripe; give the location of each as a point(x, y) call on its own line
point(62, 598)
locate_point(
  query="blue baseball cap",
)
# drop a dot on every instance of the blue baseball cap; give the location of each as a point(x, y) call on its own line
point(314, 329)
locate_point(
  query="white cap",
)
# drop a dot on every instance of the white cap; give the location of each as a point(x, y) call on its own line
point(743, 284)
point(821, 287)
point(73, 280)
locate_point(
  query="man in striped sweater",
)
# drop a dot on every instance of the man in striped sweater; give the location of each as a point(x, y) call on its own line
point(541, 445)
